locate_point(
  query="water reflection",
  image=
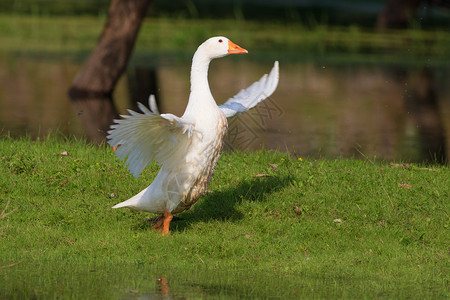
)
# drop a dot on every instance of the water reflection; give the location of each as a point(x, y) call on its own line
point(162, 291)
point(423, 105)
point(97, 114)
point(318, 110)
point(163, 286)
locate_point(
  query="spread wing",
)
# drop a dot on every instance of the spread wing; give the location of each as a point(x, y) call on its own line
point(147, 136)
point(251, 96)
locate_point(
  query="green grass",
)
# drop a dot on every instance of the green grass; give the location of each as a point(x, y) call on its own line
point(275, 235)
point(76, 36)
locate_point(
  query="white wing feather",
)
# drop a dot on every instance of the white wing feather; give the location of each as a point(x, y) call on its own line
point(251, 96)
point(144, 137)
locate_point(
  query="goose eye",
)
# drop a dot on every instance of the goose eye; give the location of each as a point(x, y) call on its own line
point(220, 41)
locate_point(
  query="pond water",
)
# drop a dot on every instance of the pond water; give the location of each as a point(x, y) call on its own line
point(319, 110)
point(141, 281)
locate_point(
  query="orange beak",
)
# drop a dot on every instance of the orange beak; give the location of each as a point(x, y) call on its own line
point(235, 49)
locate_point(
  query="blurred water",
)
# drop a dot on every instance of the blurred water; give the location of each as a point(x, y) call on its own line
point(141, 281)
point(340, 110)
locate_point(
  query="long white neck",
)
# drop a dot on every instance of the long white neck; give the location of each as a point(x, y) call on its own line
point(201, 100)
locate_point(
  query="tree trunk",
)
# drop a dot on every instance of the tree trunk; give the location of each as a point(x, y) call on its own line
point(92, 87)
point(423, 105)
point(397, 13)
point(107, 62)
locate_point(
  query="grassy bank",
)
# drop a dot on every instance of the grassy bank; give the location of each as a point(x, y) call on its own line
point(274, 225)
point(76, 36)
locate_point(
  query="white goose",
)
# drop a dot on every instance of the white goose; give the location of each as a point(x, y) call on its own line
point(188, 147)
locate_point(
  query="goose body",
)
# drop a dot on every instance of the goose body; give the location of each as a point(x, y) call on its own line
point(187, 148)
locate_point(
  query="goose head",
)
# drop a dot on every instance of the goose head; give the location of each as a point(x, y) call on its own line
point(219, 46)
point(214, 47)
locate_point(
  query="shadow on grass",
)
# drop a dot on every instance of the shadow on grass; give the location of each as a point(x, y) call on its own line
point(220, 205)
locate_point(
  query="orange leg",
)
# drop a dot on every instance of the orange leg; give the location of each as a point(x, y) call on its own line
point(167, 218)
point(163, 222)
point(159, 223)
